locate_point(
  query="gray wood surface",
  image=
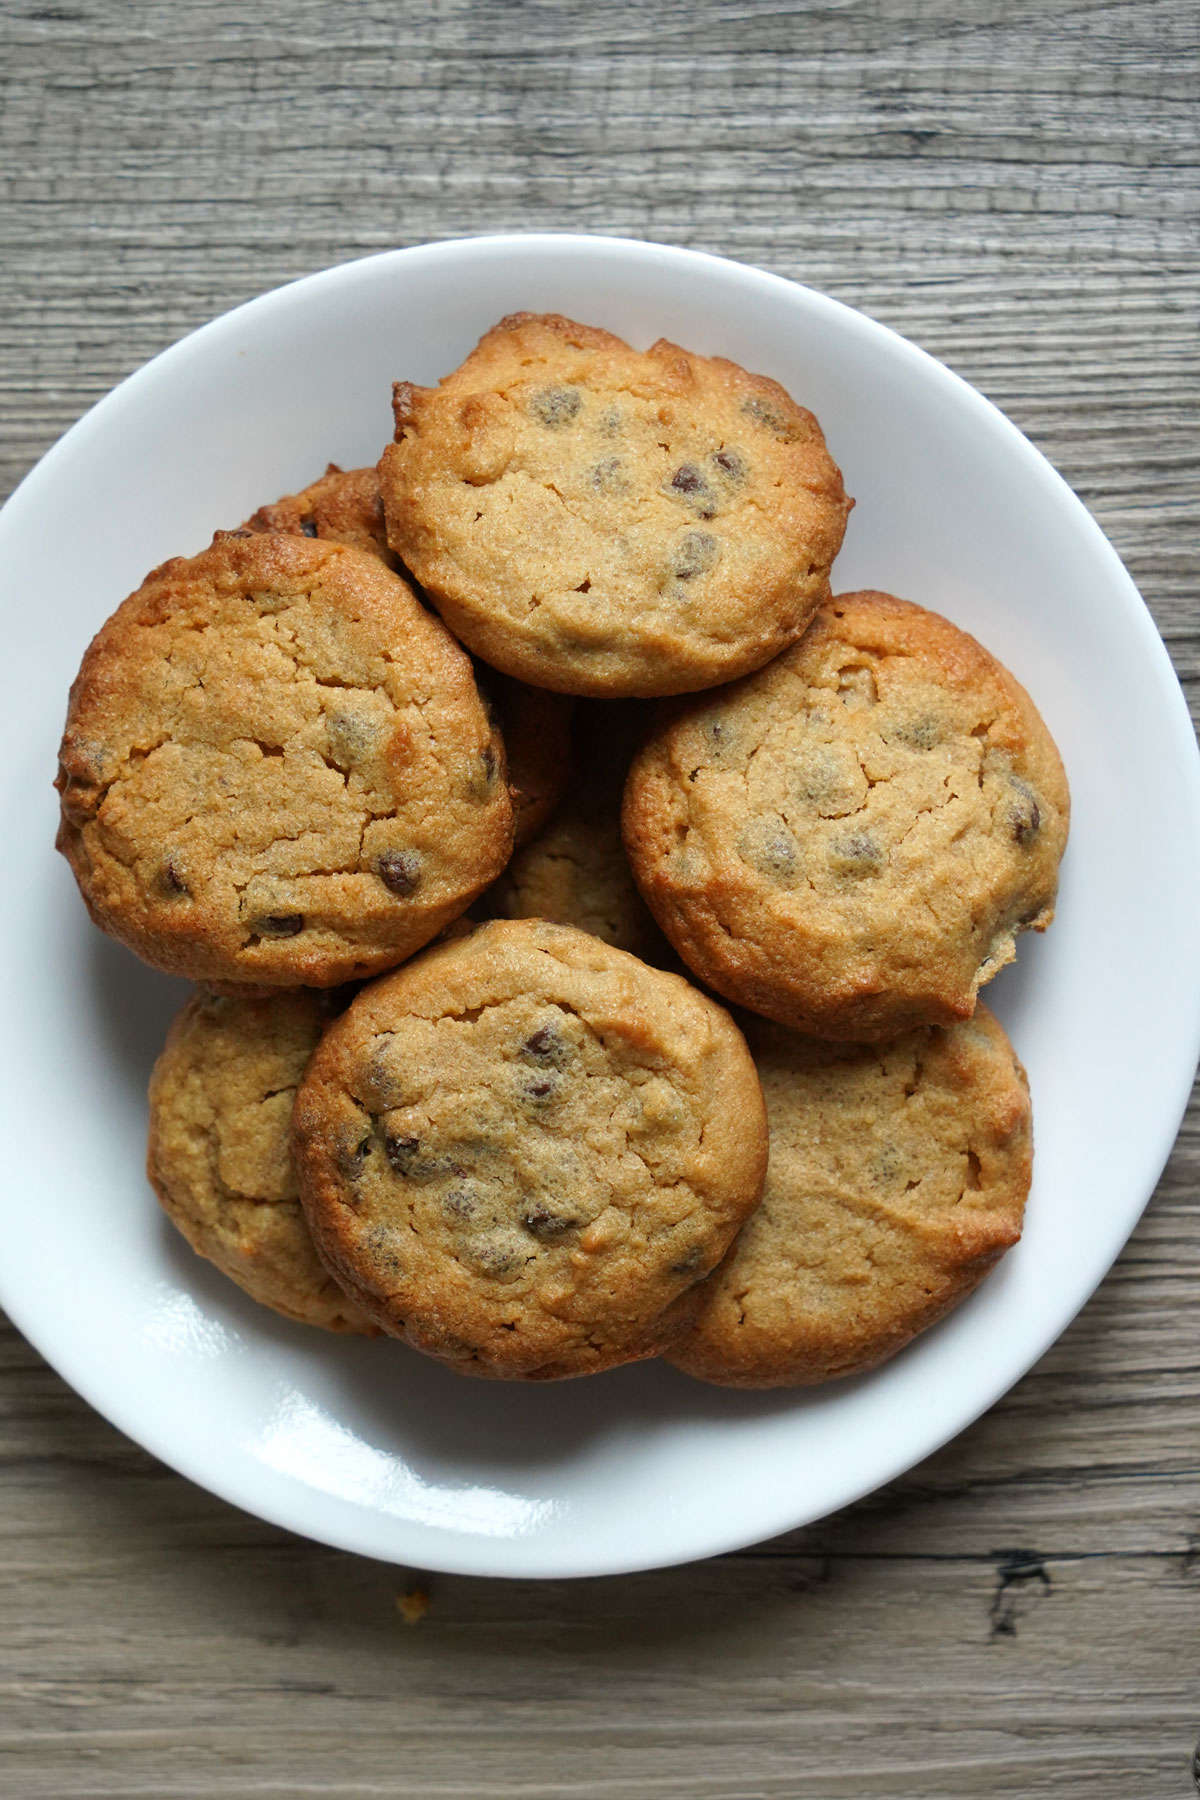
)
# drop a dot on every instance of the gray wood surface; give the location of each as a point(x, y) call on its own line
point(1015, 187)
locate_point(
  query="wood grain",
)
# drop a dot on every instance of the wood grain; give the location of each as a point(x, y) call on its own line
point(1016, 189)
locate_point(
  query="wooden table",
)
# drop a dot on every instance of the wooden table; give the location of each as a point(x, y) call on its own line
point(1014, 187)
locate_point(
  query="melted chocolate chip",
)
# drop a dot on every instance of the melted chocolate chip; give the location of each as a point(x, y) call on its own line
point(381, 1242)
point(771, 416)
point(400, 871)
point(918, 734)
point(351, 739)
point(690, 1264)
point(308, 525)
point(770, 848)
point(401, 1152)
point(556, 406)
point(858, 854)
point(351, 1153)
point(695, 553)
point(608, 476)
point(543, 1223)
point(733, 465)
point(1024, 815)
point(170, 880)
point(493, 1255)
point(460, 1203)
point(488, 763)
point(279, 925)
point(546, 1045)
point(547, 1087)
point(689, 480)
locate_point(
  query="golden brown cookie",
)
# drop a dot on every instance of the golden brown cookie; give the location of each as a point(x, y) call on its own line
point(343, 506)
point(219, 1157)
point(898, 1176)
point(536, 727)
point(575, 872)
point(849, 840)
point(277, 769)
point(604, 521)
point(523, 1151)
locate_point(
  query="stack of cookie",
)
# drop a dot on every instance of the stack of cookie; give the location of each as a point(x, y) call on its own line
point(337, 748)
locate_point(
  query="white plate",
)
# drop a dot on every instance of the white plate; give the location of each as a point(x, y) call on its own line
point(365, 1445)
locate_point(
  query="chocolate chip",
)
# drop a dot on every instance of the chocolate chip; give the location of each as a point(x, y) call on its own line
point(400, 871)
point(401, 1152)
point(858, 854)
point(496, 1254)
point(481, 775)
point(918, 734)
point(547, 1087)
point(1024, 814)
point(556, 406)
point(695, 553)
point(460, 1203)
point(381, 1242)
point(279, 925)
point(689, 480)
point(352, 739)
point(170, 879)
point(733, 465)
point(691, 1263)
point(768, 846)
point(608, 477)
point(546, 1045)
point(543, 1223)
point(826, 779)
point(771, 416)
point(887, 1163)
point(351, 1152)
point(609, 421)
point(308, 525)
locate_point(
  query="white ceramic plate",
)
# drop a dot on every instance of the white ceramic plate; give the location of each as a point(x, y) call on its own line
point(365, 1445)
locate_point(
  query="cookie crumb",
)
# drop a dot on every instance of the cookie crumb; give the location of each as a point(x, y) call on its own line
point(413, 1605)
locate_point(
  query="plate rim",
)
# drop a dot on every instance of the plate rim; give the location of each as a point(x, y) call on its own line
point(473, 1559)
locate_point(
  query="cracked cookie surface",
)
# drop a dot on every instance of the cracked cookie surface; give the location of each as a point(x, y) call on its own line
point(575, 871)
point(523, 1151)
point(897, 1178)
point(603, 521)
point(277, 769)
point(345, 506)
point(849, 840)
point(219, 1155)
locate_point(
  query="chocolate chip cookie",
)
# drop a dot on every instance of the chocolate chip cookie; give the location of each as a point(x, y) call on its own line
point(524, 1150)
point(219, 1158)
point(277, 769)
point(604, 521)
point(343, 506)
point(898, 1176)
point(575, 872)
point(850, 840)
point(536, 728)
